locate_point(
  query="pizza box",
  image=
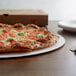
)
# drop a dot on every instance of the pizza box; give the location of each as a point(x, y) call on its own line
point(37, 17)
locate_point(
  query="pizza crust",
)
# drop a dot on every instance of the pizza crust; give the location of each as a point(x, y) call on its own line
point(47, 39)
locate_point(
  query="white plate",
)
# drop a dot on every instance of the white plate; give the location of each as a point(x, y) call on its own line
point(60, 43)
point(68, 25)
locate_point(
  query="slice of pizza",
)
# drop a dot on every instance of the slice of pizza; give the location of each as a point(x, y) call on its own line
point(24, 38)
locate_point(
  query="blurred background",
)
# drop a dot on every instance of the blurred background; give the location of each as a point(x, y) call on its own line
point(56, 9)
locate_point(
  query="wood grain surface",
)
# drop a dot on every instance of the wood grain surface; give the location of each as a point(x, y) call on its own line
point(61, 62)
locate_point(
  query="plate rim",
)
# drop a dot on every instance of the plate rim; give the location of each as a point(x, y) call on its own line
point(41, 51)
point(64, 26)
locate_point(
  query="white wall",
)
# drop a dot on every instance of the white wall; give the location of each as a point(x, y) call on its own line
point(56, 9)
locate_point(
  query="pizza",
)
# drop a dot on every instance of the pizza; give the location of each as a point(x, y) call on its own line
point(24, 38)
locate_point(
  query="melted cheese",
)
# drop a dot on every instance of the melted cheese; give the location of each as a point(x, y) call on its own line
point(1, 31)
point(14, 32)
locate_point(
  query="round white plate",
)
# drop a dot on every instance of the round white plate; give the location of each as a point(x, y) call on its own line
point(60, 43)
point(68, 25)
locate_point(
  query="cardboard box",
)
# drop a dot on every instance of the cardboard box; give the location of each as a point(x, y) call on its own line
point(37, 17)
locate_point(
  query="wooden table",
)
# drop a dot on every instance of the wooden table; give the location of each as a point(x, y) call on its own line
point(61, 62)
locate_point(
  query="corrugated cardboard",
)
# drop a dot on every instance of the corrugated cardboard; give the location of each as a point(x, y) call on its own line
point(38, 17)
